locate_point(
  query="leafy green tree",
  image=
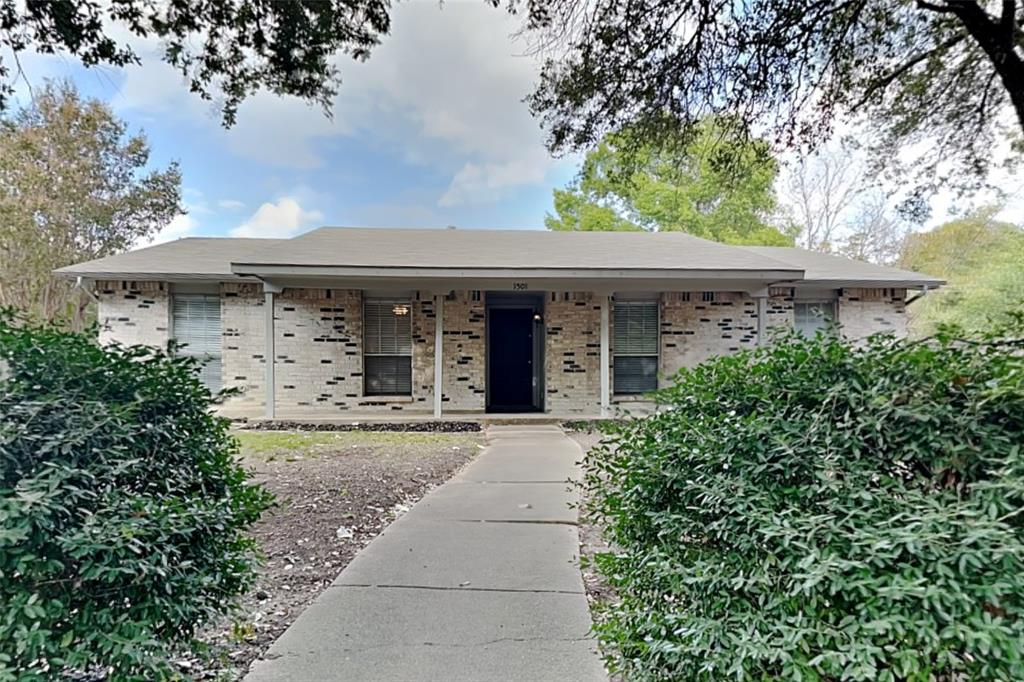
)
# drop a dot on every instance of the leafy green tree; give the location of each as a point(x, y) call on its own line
point(225, 49)
point(983, 261)
point(716, 184)
point(74, 186)
point(948, 71)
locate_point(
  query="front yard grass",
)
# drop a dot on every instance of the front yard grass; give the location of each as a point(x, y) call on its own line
point(336, 491)
point(269, 444)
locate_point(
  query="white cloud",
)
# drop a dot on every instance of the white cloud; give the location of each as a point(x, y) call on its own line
point(158, 89)
point(445, 87)
point(484, 183)
point(283, 218)
point(231, 204)
point(449, 81)
point(282, 131)
point(182, 225)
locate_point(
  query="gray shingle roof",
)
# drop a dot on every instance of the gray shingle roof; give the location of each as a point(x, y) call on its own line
point(508, 249)
point(826, 269)
point(188, 258)
point(479, 250)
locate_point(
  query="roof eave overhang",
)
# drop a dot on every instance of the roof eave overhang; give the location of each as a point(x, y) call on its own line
point(263, 271)
point(153, 276)
point(870, 283)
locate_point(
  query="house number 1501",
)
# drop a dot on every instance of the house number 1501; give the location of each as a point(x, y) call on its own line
point(519, 286)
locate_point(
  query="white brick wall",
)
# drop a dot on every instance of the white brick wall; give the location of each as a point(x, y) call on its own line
point(318, 337)
point(243, 346)
point(572, 353)
point(317, 340)
point(863, 312)
point(464, 367)
point(133, 312)
point(424, 320)
point(318, 351)
point(779, 309)
point(694, 329)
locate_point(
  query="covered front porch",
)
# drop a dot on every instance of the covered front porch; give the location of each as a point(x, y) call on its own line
point(508, 354)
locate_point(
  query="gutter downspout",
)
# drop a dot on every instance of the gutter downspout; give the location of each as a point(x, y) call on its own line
point(80, 285)
point(924, 292)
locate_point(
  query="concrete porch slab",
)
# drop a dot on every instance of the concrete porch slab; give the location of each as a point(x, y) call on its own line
point(320, 416)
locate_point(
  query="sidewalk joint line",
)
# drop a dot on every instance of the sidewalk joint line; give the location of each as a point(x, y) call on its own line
point(441, 588)
point(550, 522)
point(563, 482)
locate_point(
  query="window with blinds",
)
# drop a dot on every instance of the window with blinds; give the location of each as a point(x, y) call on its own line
point(387, 347)
point(635, 346)
point(196, 323)
point(810, 317)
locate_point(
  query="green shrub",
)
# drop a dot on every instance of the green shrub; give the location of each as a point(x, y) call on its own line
point(814, 510)
point(122, 507)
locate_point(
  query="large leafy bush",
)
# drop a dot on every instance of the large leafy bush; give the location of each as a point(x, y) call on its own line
point(122, 507)
point(815, 510)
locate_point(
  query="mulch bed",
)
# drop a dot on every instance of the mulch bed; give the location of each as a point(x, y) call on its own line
point(592, 543)
point(417, 427)
point(360, 490)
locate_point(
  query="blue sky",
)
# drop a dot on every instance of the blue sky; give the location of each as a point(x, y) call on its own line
point(430, 131)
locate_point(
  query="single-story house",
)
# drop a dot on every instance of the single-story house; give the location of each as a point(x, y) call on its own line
point(344, 323)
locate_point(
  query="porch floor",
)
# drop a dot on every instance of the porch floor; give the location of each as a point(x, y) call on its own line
point(401, 417)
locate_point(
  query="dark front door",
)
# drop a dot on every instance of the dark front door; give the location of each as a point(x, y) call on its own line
point(515, 352)
point(511, 359)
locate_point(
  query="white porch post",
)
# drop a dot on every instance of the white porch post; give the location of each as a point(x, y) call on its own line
point(761, 301)
point(606, 382)
point(269, 354)
point(438, 350)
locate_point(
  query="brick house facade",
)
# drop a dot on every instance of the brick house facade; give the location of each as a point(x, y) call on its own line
point(319, 330)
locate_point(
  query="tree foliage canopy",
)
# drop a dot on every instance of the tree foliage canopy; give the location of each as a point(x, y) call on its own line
point(947, 71)
point(226, 50)
point(983, 261)
point(74, 186)
point(821, 510)
point(713, 183)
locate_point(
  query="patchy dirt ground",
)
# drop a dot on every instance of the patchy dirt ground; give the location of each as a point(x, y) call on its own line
point(336, 491)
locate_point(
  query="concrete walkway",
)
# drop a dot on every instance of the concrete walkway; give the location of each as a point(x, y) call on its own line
point(478, 581)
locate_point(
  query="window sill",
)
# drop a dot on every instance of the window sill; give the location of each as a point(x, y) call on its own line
point(631, 398)
point(387, 399)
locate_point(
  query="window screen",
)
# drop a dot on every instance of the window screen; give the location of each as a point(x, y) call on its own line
point(635, 346)
point(387, 347)
point(196, 323)
point(809, 317)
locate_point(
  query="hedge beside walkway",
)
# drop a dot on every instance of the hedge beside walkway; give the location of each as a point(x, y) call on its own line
point(814, 510)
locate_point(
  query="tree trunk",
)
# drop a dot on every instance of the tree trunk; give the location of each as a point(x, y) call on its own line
point(996, 38)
